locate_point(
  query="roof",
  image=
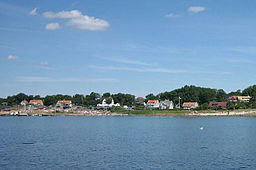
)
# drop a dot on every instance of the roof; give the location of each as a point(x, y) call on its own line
point(64, 101)
point(152, 101)
point(218, 104)
point(189, 104)
point(140, 98)
point(35, 101)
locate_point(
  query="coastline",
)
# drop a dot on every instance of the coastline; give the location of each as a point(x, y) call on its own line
point(180, 113)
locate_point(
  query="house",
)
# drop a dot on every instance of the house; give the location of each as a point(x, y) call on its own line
point(190, 105)
point(240, 98)
point(140, 100)
point(104, 104)
point(152, 104)
point(36, 102)
point(24, 103)
point(219, 105)
point(166, 104)
point(64, 103)
point(5, 103)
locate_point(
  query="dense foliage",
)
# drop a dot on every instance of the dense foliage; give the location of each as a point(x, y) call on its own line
point(194, 94)
point(187, 94)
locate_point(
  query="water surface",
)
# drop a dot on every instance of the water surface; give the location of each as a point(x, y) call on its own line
point(127, 143)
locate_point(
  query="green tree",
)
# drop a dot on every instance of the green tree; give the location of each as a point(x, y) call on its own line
point(151, 96)
point(221, 95)
point(231, 105)
point(92, 100)
point(78, 99)
point(124, 99)
point(106, 95)
point(50, 100)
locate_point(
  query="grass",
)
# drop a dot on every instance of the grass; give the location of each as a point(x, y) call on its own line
point(156, 112)
point(153, 112)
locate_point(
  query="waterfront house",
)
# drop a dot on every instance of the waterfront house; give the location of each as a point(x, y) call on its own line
point(4, 103)
point(240, 98)
point(190, 105)
point(105, 105)
point(140, 100)
point(152, 104)
point(24, 103)
point(64, 103)
point(218, 105)
point(36, 102)
point(166, 104)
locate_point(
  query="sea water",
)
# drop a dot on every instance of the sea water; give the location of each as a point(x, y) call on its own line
point(127, 143)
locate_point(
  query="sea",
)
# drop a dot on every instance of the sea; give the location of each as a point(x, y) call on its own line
point(136, 142)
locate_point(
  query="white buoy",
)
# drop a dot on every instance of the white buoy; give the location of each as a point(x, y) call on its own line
point(201, 128)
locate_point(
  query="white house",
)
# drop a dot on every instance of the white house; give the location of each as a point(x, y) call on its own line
point(64, 103)
point(24, 103)
point(190, 105)
point(166, 104)
point(152, 104)
point(112, 104)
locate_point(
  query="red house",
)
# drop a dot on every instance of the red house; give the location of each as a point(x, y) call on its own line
point(219, 105)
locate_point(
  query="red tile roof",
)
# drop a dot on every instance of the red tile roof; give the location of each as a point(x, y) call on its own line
point(152, 101)
point(35, 101)
point(189, 104)
point(64, 101)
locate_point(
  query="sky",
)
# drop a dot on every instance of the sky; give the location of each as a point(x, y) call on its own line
point(136, 46)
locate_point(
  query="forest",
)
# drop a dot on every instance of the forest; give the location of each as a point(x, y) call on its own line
point(187, 94)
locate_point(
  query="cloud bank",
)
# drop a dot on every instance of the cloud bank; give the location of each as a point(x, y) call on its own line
point(77, 20)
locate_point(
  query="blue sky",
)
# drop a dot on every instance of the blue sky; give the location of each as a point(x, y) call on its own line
point(136, 47)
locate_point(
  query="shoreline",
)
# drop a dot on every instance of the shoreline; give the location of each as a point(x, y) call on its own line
point(239, 113)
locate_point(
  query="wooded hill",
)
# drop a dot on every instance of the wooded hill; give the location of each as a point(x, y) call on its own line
point(187, 94)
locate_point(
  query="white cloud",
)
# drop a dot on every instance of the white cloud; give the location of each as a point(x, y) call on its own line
point(33, 12)
point(196, 9)
point(12, 57)
point(45, 65)
point(172, 15)
point(126, 61)
point(38, 79)
point(52, 26)
point(152, 70)
point(88, 23)
point(78, 20)
point(63, 14)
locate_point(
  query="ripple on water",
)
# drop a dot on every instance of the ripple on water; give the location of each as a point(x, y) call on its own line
point(127, 143)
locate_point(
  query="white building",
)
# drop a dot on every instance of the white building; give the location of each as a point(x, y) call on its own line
point(152, 104)
point(64, 103)
point(166, 104)
point(112, 104)
point(190, 105)
point(24, 103)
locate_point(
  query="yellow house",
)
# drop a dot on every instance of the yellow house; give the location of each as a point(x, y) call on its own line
point(240, 98)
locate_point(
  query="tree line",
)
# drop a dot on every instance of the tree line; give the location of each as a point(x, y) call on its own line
point(78, 99)
point(187, 94)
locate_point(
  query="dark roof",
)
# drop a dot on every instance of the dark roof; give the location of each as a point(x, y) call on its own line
point(223, 105)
